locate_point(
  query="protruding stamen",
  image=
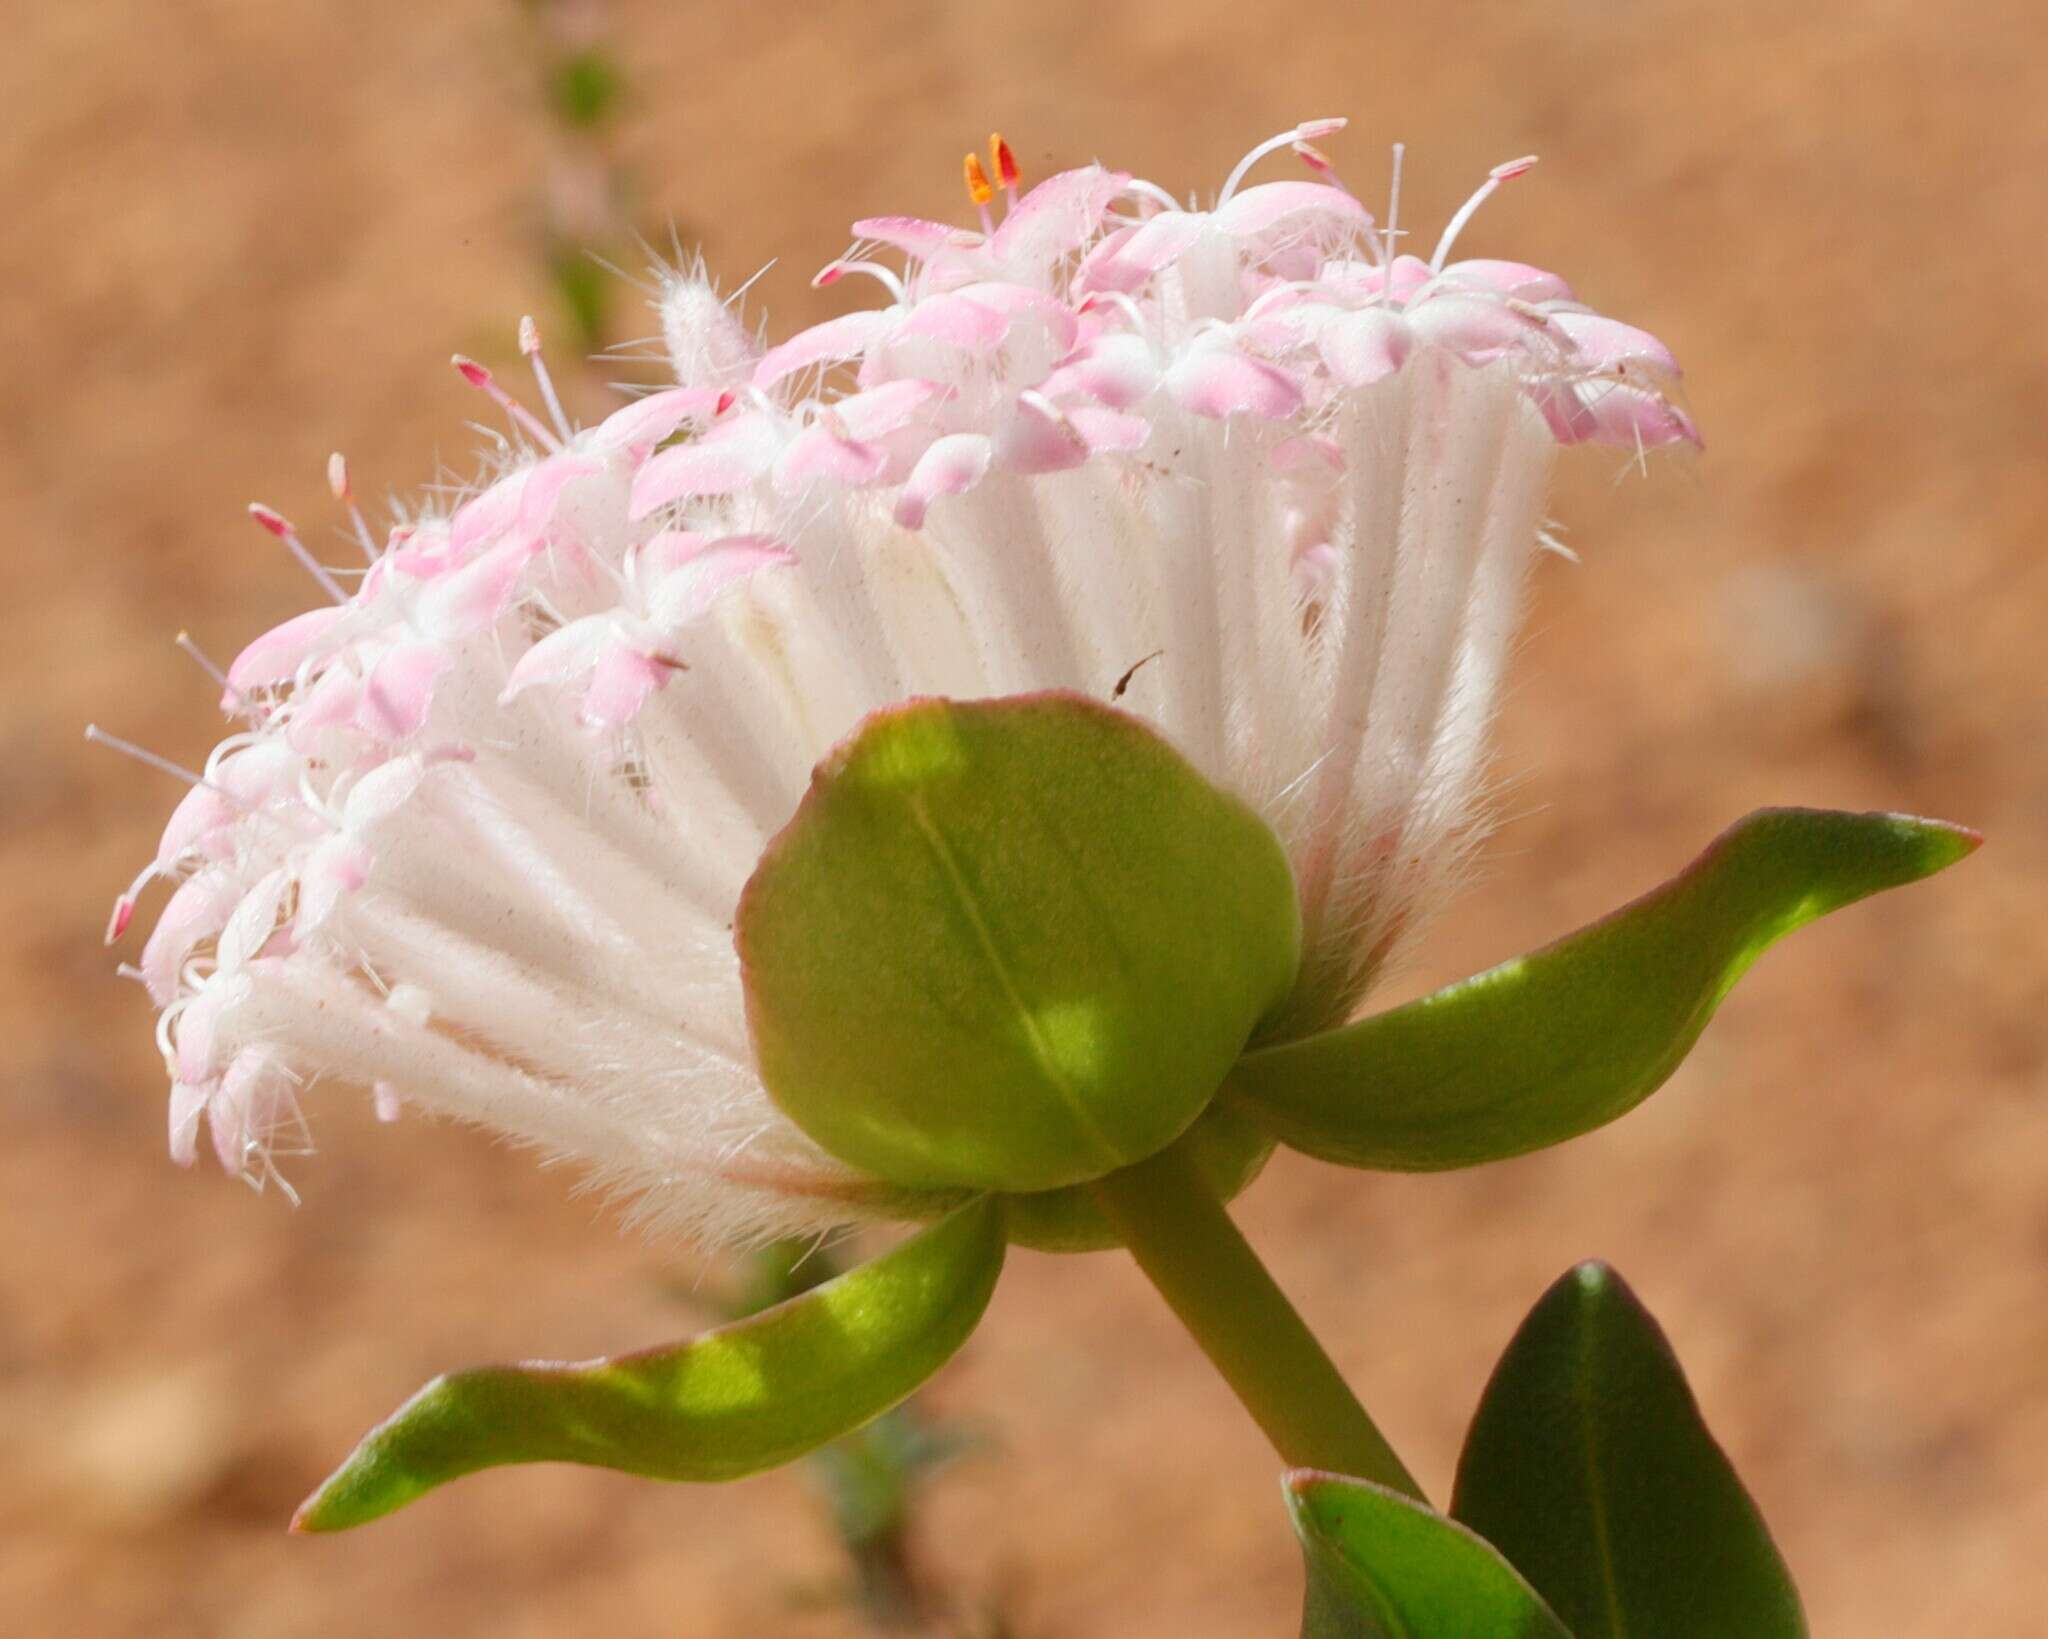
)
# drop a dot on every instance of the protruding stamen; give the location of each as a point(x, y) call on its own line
point(484, 382)
point(1388, 239)
point(1499, 174)
point(338, 484)
point(118, 919)
point(1005, 164)
point(529, 344)
point(95, 735)
point(1319, 162)
point(1307, 131)
point(204, 662)
point(979, 190)
point(832, 272)
point(280, 526)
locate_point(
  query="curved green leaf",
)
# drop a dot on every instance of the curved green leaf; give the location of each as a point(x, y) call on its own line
point(1010, 944)
point(732, 1402)
point(1382, 1566)
point(1589, 1466)
point(1570, 1037)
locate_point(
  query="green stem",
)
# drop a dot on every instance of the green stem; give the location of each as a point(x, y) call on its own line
point(1212, 1279)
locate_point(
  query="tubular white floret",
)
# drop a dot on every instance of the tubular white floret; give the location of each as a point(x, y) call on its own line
point(479, 845)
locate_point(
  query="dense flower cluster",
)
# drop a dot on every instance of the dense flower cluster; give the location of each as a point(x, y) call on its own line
point(1249, 471)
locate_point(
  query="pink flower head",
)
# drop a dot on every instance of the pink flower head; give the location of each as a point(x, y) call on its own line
point(478, 841)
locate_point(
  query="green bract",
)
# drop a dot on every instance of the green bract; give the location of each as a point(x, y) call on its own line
point(1559, 1042)
point(1010, 944)
point(733, 1402)
point(1588, 1466)
point(1383, 1566)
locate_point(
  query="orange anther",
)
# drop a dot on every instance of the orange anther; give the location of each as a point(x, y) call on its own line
point(978, 189)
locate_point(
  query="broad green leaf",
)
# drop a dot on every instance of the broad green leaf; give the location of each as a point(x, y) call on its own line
point(732, 1402)
point(1589, 1466)
point(1010, 944)
point(1382, 1566)
point(1566, 1039)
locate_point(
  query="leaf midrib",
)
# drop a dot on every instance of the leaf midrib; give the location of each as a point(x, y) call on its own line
point(1041, 1051)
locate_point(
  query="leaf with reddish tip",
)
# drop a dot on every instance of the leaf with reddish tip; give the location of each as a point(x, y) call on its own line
point(732, 1402)
point(1383, 1566)
point(1570, 1037)
point(1589, 1466)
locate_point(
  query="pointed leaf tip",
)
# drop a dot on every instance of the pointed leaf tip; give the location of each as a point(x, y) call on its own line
point(1590, 1467)
point(1572, 1036)
point(1383, 1566)
point(735, 1401)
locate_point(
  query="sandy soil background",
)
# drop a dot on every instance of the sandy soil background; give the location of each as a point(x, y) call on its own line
point(236, 235)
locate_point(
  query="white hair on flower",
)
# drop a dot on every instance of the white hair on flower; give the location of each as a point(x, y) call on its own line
point(478, 842)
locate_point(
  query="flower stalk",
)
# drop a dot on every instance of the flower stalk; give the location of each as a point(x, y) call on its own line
point(1185, 1242)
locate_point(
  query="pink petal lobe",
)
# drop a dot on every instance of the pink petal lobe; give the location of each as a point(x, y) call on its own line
point(1104, 267)
point(819, 452)
point(1159, 242)
point(1476, 328)
point(620, 685)
point(1604, 412)
point(1258, 210)
point(484, 517)
point(728, 458)
point(1608, 344)
point(339, 866)
point(1036, 437)
point(1518, 279)
point(566, 653)
point(1118, 371)
point(278, 653)
point(474, 596)
point(883, 410)
point(693, 585)
point(1057, 216)
point(400, 688)
point(957, 320)
point(1109, 431)
point(201, 815)
point(832, 342)
point(197, 911)
point(1365, 346)
point(1220, 382)
point(650, 421)
point(950, 466)
point(544, 486)
point(914, 234)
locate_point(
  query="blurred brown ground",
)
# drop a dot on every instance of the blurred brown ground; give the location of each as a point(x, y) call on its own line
point(237, 235)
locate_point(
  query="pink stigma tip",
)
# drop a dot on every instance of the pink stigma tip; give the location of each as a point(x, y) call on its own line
point(124, 913)
point(1314, 158)
point(472, 372)
point(270, 519)
point(828, 275)
point(1513, 168)
point(1309, 130)
point(529, 336)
